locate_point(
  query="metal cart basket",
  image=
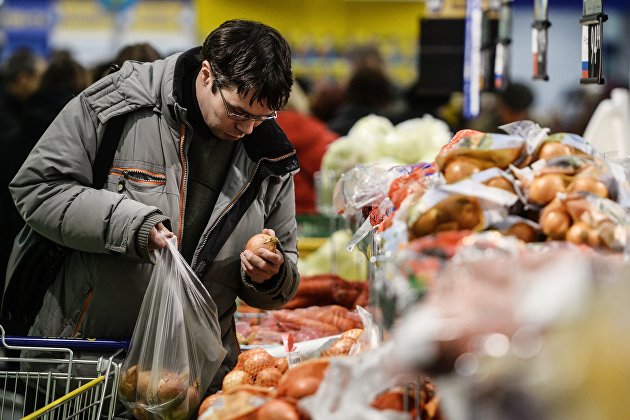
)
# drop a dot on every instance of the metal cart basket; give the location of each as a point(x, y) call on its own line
point(43, 378)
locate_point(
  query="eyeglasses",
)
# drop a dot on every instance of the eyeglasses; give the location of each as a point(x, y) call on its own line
point(244, 117)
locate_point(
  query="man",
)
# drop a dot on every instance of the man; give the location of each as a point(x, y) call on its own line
point(200, 157)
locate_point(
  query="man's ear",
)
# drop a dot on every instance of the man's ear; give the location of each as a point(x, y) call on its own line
point(206, 73)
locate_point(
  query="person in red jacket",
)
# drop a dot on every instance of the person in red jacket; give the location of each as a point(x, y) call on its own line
point(311, 138)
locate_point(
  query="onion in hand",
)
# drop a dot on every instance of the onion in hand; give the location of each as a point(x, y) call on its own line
point(261, 240)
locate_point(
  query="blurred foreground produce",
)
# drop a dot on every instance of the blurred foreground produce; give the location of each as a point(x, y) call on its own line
point(304, 324)
point(245, 397)
point(327, 289)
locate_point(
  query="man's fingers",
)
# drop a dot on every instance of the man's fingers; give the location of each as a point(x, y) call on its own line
point(272, 257)
point(245, 262)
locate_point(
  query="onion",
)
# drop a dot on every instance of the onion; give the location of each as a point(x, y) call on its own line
point(426, 223)
point(303, 387)
point(171, 386)
point(500, 182)
point(142, 386)
point(140, 413)
point(578, 233)
point(278, 410)
point(208, 402)
point(545, 187)
point(522, 231)
point(460, 168)
point(258, 362)
point(127, 387)
point(593, 238)
point(589, 185)
point(282, 364)
point(236, 378)
point(468, 215)
point(268, 377)
point(261, 240)
point(553, 149)
point(555, 224)
point(606, 233)
point(247, 354)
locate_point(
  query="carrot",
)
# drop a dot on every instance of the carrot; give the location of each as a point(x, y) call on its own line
point(285, 316)
point(301, 302)
point(317, 286)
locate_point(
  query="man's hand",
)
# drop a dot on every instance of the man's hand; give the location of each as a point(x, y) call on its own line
point(158, 235)
point(263, 266)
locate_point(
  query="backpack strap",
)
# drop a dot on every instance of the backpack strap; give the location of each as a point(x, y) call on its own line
point(107, 149)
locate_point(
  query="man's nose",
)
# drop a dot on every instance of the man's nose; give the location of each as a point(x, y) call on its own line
point(246, 127)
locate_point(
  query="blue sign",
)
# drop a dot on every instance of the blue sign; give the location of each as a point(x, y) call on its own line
point(116, 5)
point(27, 23)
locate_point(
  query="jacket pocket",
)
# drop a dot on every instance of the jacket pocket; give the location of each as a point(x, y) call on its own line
point(137, 179)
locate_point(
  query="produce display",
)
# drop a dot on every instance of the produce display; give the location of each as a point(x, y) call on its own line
point(484, 249)
point(329, 289)
point(484, 258)
point(528, 183)
point(304, 324)
point(251, 391)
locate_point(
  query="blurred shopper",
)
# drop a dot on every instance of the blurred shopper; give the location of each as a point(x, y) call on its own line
point(201, 157)
point(328, 96)
point(311, 138)
point(578, 107)
point(417, 102)
point(142, 51)
point(64, 79)
point(369, 91)
point(325, 98)
point(514, 103)
point(22, 73)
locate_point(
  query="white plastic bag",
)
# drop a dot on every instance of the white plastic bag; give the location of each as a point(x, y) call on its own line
point(176, 345)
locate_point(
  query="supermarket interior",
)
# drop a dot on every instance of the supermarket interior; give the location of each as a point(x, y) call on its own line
point(315, 209)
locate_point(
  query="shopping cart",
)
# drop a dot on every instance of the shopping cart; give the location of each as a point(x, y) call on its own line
point(59, 385)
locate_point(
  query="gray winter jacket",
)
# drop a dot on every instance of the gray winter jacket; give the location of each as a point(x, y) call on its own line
point(100, 287)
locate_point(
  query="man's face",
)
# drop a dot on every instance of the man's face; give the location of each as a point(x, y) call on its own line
point(225, 112)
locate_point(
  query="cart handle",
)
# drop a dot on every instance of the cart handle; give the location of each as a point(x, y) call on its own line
point(72, 343)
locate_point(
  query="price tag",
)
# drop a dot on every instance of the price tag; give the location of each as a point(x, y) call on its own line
point(289, 345)
point(502, 53)
point(540, 28)
point(592, 21)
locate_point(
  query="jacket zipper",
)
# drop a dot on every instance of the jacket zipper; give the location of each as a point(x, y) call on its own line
point(233, 202)
point(182, 187)
point(140, 175)
point(86, 303)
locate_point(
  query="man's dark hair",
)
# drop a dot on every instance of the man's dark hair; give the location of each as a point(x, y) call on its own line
point(21, 61)
point(253, 57)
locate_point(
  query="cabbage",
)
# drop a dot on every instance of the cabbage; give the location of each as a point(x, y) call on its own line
point(418, 139)
point(374, 139)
